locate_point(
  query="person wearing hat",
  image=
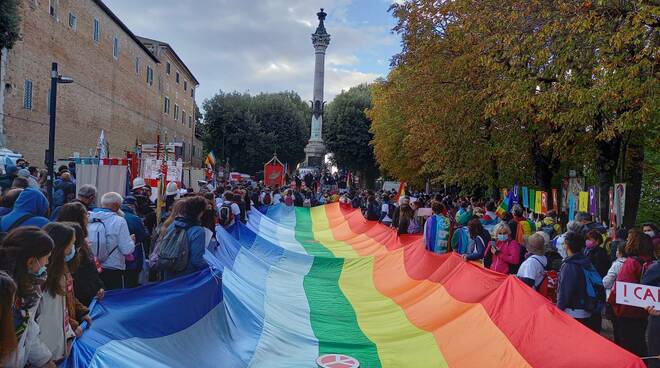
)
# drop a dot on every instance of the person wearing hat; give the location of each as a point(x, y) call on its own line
point(532, 270)
point(135, 261)
point(139, 186)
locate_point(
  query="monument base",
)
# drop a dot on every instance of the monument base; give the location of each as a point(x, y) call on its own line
point(314, 154)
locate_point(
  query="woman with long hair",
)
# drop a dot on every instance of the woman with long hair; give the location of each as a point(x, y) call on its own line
point(53, 319)
point(407, 223)
point(86, 279)
point(24, 255)
point(78, 312)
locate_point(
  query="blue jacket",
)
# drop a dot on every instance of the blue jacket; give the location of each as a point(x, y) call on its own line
point(135, 227)
point(196, 242)
point(30, 201)
point(572, 291)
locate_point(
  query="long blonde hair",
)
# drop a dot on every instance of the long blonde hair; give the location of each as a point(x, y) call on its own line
point(176, 211)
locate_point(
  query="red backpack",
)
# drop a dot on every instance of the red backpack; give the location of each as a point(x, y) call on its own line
point(548, 287)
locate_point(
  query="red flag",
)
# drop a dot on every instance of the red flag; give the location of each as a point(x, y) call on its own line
point(402, 190)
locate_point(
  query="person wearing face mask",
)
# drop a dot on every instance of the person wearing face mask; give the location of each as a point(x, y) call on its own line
point(653, 232)
point(505, 250)
point(24, 255)
point(596, 253)
point(56, 330)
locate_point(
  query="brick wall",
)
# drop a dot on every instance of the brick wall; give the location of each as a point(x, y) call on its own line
point(107, 94)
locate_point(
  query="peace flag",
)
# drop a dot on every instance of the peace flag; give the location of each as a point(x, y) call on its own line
point(538, 204)
point(583, 202)
point(296, 284)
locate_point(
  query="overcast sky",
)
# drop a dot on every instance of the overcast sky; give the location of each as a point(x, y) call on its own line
point(264, 45)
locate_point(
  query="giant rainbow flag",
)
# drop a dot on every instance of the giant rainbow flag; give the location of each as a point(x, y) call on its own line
point(296, 283)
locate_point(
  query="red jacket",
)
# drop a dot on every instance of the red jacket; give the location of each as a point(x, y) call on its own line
point(631, 271)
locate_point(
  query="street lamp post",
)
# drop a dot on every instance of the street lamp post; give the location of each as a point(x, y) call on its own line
point(55, 79)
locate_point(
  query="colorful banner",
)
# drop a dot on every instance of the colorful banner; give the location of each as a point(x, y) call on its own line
point(273, 174)
point(538, 204)
point(544, 203)
point(532, 200)
point(515, 199)
point(525, 197)
point(297, 283)
point(593, 206)
point(555, 203)
point(583, 202)
point(571, 206)
point(611, 206)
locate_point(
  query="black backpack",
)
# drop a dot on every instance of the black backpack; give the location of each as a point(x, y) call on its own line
point(373, 212)
point(390, 210)
point(173, 251)
point(267, 199)
point(226, 215)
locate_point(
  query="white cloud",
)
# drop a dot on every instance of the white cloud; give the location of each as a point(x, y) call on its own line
point(260, 45)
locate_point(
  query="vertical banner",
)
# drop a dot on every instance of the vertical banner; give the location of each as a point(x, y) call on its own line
point(571, 206)
point(532, 199)
point(515, 198)
point(619, 202)
point(611, 202)
point(592, 200)
point(273, 174)
point(583, 203)
point(544, 203)
point(555, 203)
point(538, 205)
point(525, 197)
point(505, 192)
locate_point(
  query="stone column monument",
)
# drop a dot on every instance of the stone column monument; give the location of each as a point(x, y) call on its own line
point(315, 149)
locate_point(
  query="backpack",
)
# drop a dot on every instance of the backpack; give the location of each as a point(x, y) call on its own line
point(226, 215)
point(100, 243)
point(595, 290)
point(172, 251)
point(549, 284)
point(355, 203)
point(267, 199)
point(16, 224)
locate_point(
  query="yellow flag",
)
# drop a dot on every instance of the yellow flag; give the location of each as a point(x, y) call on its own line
point(538, 201)
point(584, 202)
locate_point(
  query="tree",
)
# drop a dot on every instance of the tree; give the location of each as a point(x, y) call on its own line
point(346, 132)
point(246, 130)
point(497, 91)
point(285, 116)
point(9, 23)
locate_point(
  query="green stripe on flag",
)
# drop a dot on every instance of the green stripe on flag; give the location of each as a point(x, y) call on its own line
point(332, 317)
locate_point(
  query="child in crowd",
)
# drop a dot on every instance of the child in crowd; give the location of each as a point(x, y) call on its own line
point(56, 331)
point(24, 255)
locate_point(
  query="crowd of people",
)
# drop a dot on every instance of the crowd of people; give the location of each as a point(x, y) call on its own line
point(575, 265)
point(56, 259)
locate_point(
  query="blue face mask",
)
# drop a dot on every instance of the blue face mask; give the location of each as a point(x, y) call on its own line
point(69, 257)
point(502, 237)
point(40, 272)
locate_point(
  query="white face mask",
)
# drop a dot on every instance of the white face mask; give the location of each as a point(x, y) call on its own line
point(650, 233)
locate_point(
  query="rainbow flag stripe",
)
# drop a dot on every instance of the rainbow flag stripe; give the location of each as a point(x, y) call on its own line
point(297, 283)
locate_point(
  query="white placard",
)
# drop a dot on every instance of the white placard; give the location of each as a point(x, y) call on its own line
point(424, 212)
point(637, 295)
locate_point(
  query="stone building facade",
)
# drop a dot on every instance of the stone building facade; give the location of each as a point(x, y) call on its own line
point(120, 85)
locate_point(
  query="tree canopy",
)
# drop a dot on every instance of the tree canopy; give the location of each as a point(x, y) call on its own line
point(347, 134)
point(489, 92)
point(9, 23)
point(246, 130)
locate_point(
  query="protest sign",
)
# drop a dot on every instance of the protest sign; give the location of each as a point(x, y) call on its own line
point(637, 295)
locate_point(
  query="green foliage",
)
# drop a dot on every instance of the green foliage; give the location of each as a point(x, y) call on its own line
point(246, 130)
point(9, 23)
point(488, 92)
point(346, 131)
point(649, 208)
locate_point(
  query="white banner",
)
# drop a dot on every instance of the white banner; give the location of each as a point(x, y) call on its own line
point(637, 295)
